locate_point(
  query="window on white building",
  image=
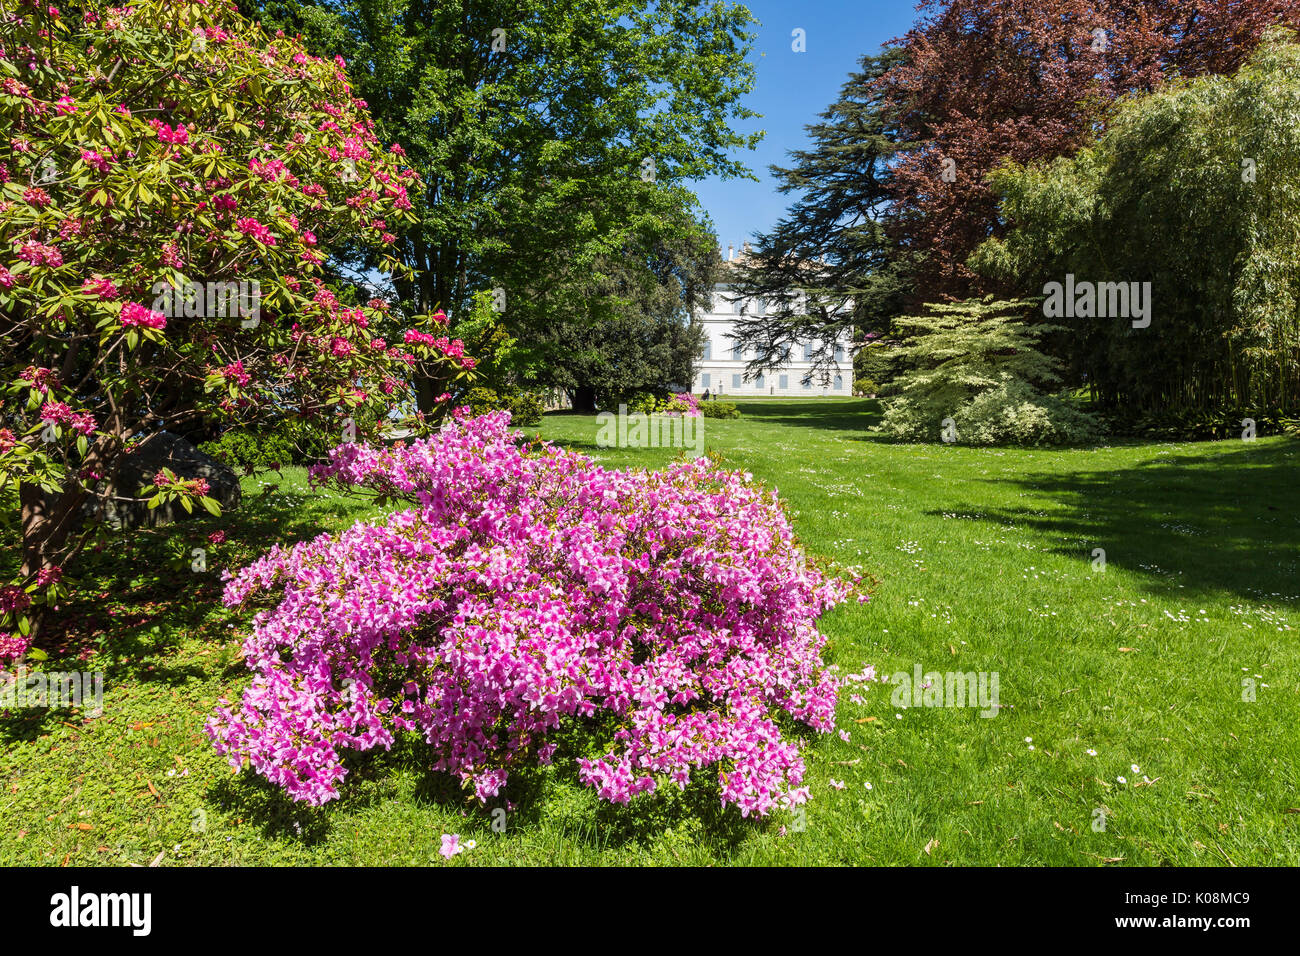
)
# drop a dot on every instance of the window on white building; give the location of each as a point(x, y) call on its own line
point(704, 380)
point(708, 350)
point(839, 382)
point(807, 383)
point(839, 353)
point(735, 381)
point(807, 352)
point(759, 381)
point(783, 381)
point(737, 352)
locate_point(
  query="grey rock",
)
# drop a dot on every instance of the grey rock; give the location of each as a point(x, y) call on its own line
point(158, 451)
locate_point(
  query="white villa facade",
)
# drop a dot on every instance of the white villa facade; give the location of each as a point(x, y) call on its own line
point(722, 370)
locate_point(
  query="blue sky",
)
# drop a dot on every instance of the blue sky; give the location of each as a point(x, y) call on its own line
point(790, 90)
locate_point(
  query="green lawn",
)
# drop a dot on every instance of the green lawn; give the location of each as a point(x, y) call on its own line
point(984, 562)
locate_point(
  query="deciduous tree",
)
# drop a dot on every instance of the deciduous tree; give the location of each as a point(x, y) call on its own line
point(534, 124)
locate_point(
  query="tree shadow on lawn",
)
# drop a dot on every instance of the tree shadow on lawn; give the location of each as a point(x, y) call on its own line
point(851, 415)
point(135, 601)
point(1218, 522)
point(152, 586)
point(854, 415)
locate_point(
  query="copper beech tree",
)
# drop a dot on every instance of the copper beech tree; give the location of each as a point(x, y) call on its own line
point(175, 183)
point(984, 81)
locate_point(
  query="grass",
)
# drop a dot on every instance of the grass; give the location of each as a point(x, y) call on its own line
point(985, 563)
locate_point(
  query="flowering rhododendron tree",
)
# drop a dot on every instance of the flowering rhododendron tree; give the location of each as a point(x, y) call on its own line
point(528, 590)
point(175, 184)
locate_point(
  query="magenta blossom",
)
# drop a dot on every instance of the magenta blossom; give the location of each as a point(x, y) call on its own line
point(136, 315)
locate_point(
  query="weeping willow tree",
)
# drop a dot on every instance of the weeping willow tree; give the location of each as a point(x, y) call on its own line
point(1195, 189)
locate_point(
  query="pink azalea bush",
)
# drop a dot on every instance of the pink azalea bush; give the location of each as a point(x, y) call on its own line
point(528, 590)
point(684, 404)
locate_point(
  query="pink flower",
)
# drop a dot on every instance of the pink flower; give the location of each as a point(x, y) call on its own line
point(40, 255)
point(100, 287)
point(136, 315)
point(271, 170)
point(60, 414)
point(235, 371)
point(95, 160)
point(40, 378)
point(55, 412)
point(13, 599)
point(251, 227)
point(450, 845)
point(168, 135)
point(217, 537)
point(83, 423)
point(171, 255)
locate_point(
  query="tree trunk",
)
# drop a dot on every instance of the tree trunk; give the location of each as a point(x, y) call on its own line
point(584, 399)
point(47, 521)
